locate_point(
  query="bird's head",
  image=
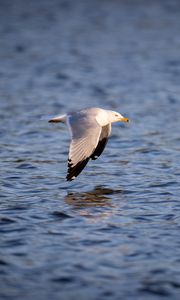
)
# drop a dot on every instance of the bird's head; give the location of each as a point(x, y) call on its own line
point(117, 117)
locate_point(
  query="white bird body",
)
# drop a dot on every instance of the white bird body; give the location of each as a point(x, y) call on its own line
point(90, 129)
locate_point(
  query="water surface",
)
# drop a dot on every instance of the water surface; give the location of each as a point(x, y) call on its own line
point(113, 233)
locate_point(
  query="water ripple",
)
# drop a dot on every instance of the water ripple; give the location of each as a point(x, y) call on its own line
point(113, 233)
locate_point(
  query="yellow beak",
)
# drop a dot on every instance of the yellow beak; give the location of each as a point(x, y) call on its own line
point(123, 119)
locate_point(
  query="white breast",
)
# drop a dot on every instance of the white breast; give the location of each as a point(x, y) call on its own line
point(102, 118)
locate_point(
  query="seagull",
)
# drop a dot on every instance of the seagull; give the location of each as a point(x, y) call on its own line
point(89, 129)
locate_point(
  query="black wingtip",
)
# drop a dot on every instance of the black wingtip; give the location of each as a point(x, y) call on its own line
point(69, 178)
point(74, 171)
point(99, 149)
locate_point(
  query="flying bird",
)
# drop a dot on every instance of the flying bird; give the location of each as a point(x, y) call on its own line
point(89, 129)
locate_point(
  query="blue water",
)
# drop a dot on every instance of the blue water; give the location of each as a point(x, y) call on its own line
point(113, 233)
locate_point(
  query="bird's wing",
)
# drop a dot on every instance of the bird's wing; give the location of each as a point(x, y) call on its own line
point(85, 133)
point(103, 139)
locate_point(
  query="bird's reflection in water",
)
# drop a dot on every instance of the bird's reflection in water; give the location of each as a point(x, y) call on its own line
point(91, 202)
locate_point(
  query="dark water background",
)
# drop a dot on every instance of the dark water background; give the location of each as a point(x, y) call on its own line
point(114, 233)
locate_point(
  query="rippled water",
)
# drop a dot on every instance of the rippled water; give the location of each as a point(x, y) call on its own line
point(113, 233)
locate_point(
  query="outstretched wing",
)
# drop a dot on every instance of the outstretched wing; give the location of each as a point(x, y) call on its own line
point(105, 132)
point(85, 133)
